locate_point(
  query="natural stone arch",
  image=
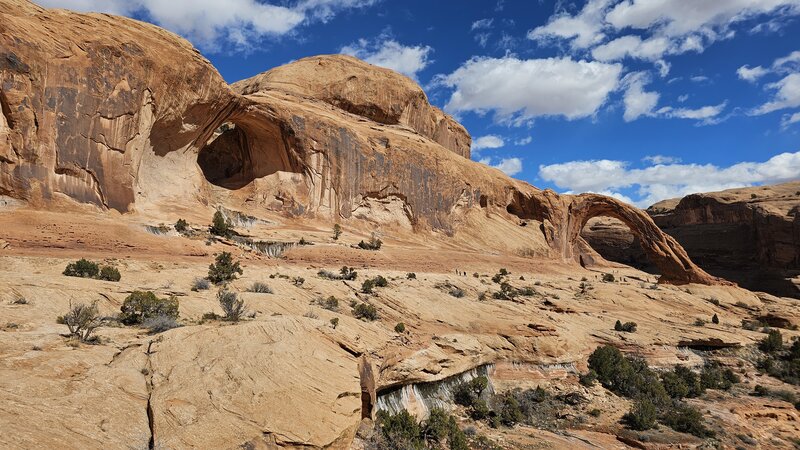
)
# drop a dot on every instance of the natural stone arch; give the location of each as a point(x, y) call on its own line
point(661, 249)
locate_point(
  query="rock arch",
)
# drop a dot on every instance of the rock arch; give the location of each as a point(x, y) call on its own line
point(662, 250)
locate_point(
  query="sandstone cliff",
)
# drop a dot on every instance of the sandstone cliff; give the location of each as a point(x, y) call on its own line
point(130, 117)
point(748, 235)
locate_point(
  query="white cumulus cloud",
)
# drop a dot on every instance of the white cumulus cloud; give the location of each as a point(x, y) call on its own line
point(488, 141)
point(665, 180)
point(529, 88)
point(637, 101)
point(582, 30)
point(751, 74)
point(212, 24)
point(509, 166)
point(388, 53)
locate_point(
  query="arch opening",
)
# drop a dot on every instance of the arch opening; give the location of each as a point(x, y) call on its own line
point(615, 242)
point(242, 150)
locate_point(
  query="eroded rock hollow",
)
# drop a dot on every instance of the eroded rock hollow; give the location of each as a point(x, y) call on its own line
point(124, 115)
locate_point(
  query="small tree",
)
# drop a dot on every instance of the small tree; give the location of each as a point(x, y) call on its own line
point(337, 231)
point(109, 273)
point(181, 225)
point(224, 269)
point(348, 273)
point(140, 306)
point(608, 277)
point(81, 320)
point(373, 244)
point(400, 328)
point(220, 226)
point(365, 311)
point(642, 416)
point(233, 307)
point(772, 343)
point(715, 319)
point(335, 322)
point(82, 268)
point(618, 326)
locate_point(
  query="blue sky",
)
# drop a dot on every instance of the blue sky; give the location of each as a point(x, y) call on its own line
point(640, 99)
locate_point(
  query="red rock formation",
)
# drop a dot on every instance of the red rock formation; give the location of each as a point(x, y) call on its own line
point(748, 235)
point(132, 116)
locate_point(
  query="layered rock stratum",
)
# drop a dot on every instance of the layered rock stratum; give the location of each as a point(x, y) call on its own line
point(111, 128)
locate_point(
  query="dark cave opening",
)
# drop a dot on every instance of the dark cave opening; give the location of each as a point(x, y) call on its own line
point(240, 152)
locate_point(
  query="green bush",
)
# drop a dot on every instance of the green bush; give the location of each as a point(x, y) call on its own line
point(181, 225)
point(81, 320)
point(400, 430)
point(365, 311)
point(588, 379)
point(82, 268)
point(373, 244)
point(642, 415)
point(233, 307)
point(337, 231)
point(686, 419)
point(627, 327)
point(411, 276)
point(109, 273)
point(223, 269)
point(714, 376)
point(260, 288)
point(142, 305)
point(608, 277)
point(509, 412)
point(772, 343)
point(331, 303)
point(348, 273)
point(715, 319)
point(400, 328)
point(220, 226)
point(369, 285)
point(675, 385)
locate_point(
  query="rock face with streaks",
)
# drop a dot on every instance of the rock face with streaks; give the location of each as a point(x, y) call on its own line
point(132, 117)
point(748, 235)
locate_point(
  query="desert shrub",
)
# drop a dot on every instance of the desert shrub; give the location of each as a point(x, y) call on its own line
point(337, 231)
point(373, 244)
point(331, 303)
point(772, 343)
point(334, 322)
point(588, 379)
point(233, 307)
point(699, 322)
point(142, 305)
point(348, 273)
point(298, 281)
point(503, 272)
point(400, 328)
point(81, 320)
point(715, 319)
point(201, 284)
point(311, 315)
point(82, 268)
point(223, 269)
point(627, 327)
point(401, 431)
point(782, 364)
point(159, 324)
point(686, 419)
point(260, 288)
point(466, 394)
point(181, 225)
point(411, 276)
point(509, 412)
point(675, 385)
point(369, 285)
point(642, 415)
point(714, 376)
point(608, 277)
point(365, 311)
point(220, 226)
point(109, 273)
